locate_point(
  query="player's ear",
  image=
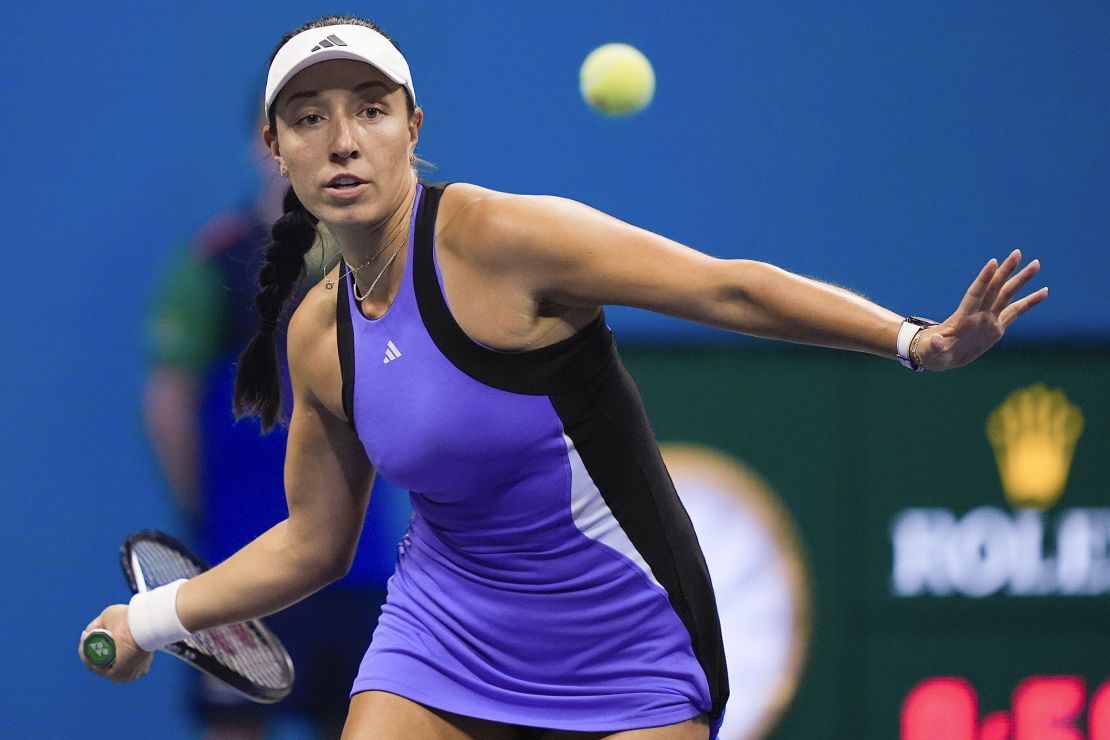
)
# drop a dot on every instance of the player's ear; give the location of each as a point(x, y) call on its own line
point(271, 140)
point(415, 122)
point(275, 151)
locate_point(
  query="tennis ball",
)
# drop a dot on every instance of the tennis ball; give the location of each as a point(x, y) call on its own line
point(617, 80)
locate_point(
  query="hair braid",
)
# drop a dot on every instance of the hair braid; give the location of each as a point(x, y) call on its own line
point(257, 377)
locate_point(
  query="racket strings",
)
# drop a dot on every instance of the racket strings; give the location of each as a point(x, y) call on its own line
point(240, 647)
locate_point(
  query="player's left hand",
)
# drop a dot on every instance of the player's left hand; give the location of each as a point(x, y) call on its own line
point(131, 660)
point(986, 311)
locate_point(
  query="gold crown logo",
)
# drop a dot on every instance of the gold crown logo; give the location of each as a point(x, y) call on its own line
point(1033, 434)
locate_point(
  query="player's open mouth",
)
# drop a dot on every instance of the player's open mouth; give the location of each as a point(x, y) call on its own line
point(346, 188)
point(345, 182)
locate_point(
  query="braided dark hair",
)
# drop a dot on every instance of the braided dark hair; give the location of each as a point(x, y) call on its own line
point(257, 378)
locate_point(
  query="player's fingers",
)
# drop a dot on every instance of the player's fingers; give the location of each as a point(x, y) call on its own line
point(973, 298)
point(1014, 285)
point(131, 672)
point(1011, 312)
point(998, 280)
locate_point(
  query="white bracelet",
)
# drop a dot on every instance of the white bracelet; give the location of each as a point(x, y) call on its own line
point(152, 617)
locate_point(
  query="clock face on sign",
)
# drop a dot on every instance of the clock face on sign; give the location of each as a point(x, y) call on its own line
point(760, 579)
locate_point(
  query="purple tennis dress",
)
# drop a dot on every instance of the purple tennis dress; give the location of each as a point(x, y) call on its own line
point(550, 576)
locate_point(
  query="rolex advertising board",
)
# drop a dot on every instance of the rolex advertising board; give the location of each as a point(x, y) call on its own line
point(953, 533)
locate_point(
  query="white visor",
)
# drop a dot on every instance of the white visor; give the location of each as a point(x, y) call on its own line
point(336, 42)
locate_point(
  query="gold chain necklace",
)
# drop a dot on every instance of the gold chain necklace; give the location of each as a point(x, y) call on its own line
point(364, 296)
point(330, 284)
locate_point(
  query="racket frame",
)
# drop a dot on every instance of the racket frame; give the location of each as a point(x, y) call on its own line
point(132, 570)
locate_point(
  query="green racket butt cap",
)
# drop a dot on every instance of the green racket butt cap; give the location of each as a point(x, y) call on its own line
point(99, 648)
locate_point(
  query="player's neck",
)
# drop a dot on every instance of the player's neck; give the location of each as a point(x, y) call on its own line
point(362, 243)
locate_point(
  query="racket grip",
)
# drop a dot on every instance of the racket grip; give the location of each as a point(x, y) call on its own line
point(99, 648)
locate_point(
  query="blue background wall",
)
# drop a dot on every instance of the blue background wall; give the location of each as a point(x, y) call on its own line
point(889, 147)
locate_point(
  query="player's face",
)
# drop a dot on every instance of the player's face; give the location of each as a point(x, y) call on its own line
point(344, 132)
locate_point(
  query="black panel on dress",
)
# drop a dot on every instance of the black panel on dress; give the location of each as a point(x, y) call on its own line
point(345, 338)
point(558, 367)
point(609, 427)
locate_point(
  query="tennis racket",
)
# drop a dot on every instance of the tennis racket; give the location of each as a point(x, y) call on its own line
point(245, 656)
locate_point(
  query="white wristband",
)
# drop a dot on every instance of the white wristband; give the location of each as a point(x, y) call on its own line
point(152, 617)
point(911, 326)
point(906, 333)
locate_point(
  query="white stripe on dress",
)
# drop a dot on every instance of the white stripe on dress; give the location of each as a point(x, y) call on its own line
point(594, 518)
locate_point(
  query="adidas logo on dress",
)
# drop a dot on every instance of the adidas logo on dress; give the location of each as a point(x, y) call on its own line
point(391, 352)
point(329, 42)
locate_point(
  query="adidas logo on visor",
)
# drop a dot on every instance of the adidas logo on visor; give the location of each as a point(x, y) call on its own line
point(329, 42)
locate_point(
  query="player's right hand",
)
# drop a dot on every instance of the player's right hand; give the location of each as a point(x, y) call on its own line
point(131, 660)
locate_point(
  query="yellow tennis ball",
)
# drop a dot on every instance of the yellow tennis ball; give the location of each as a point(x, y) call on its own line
point(617, 80)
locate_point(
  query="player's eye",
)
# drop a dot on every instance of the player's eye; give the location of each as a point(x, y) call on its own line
point(309, 120)
point(373, 112)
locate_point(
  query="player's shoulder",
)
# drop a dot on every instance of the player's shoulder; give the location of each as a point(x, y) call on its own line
point(312, 326)
point(463, 200)
point(313, 349)
point(475, 221)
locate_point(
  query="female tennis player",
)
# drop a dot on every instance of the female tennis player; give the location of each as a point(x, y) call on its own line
point(550, 585)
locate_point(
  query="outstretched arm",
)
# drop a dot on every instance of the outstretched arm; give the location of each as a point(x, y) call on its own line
point(573, 255)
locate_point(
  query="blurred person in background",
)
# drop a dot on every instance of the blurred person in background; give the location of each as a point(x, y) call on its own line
point(226, 477)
